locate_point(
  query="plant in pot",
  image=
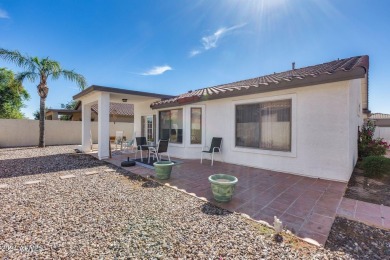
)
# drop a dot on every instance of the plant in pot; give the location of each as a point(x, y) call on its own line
point(223, 186)
point(163, 169)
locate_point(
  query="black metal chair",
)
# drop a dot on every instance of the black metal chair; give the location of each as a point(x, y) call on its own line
point(141, 142)
point(215, 147)
point(162, 147)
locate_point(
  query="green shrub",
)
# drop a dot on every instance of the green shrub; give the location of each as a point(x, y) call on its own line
point(376, 166)
point(369, 146)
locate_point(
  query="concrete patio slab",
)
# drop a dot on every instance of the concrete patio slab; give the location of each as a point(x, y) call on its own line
point(365, 212)
point(307, 206)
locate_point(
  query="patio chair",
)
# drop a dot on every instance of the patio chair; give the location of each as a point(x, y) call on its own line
point(215, 147)
point(141, 141)
point(162, 148)
point(118, 139)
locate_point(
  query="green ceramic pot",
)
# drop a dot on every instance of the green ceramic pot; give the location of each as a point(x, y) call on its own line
point(222, 186)
point(163, 169)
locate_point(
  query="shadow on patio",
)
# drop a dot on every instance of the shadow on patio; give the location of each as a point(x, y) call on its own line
point(307, 206)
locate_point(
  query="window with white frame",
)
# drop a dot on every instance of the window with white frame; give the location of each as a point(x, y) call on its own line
point(171, 125)
point(196, 125)
point(264, 125)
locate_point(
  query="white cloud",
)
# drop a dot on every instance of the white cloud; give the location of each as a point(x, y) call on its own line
point(211, 41)
point(157, 70)
point(194, 53)
point(3, 14)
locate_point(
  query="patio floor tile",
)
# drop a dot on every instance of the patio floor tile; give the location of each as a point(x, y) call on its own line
point(320, 228)
point(374, 220)
point(319, 238)
point(292, 221)
point(367, 208)
point(385, 211)
point(279, 205)
point(250, 208)
point(263, 194)
point(321, 219)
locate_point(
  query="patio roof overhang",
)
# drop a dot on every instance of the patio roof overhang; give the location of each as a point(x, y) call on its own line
point(103, 97)
point(118, 94)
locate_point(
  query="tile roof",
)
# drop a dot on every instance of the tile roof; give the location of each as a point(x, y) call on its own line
point(326, 72)
point(118, 109)
point(379, 116)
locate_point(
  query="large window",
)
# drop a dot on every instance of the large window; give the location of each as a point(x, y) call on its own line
point(265, 125)
point(171, 125)
point(196, 125)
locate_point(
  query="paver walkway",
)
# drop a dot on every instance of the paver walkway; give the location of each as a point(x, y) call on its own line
point(307, 206)
point(368, 213)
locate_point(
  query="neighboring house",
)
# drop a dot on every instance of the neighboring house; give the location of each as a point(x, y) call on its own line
point(382, 120)
point(118, 113)
point(382, 123)
point(303, 121)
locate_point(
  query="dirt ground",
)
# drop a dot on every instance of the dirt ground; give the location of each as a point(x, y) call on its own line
point(369, 189)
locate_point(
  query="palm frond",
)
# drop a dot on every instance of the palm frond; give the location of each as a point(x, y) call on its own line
point(71, 76)
point(17, 58)
point(50, 67)
point(30, 75)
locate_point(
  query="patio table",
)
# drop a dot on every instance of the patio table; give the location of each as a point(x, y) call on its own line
point(149, 146)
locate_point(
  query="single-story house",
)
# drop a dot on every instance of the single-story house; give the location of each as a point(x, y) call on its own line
point(382, 123)
point(118, 113)
point(380, 119)
point(303, 121)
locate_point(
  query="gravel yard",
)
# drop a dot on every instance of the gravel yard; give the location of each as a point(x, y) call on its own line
point(361, 241)
point(120, 215)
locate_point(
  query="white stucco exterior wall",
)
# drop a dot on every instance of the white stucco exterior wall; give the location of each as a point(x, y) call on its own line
point(324, 130)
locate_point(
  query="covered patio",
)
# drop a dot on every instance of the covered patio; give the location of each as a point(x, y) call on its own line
point(307, 206)
point(103, 96)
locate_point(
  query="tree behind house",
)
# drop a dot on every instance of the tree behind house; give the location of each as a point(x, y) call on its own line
point(42, 69)
point(12, 95)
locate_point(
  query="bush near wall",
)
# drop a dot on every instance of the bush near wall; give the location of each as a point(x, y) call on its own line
point(376, 166)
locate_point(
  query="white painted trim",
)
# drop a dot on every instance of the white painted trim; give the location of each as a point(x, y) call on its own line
point(293, 152)
point(188, 126)
point(184, 123)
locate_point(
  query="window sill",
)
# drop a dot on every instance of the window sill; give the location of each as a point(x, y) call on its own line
point(265, 152)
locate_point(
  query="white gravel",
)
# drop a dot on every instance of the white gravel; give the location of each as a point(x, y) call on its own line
point(119, 215)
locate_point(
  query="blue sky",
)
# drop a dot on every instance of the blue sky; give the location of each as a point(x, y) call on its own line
point(170, 47)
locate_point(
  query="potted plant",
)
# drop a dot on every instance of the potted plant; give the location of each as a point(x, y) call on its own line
point(222, 186)
point(163, 169)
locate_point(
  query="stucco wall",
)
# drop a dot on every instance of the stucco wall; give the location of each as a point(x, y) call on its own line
point(325, 119)
point(141, 109)
point(355, 104)
point(24, 132)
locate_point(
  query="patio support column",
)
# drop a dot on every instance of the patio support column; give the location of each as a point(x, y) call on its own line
point(86, 127)
point(104, 125)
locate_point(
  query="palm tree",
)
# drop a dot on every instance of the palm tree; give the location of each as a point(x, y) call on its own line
point(42, 69)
